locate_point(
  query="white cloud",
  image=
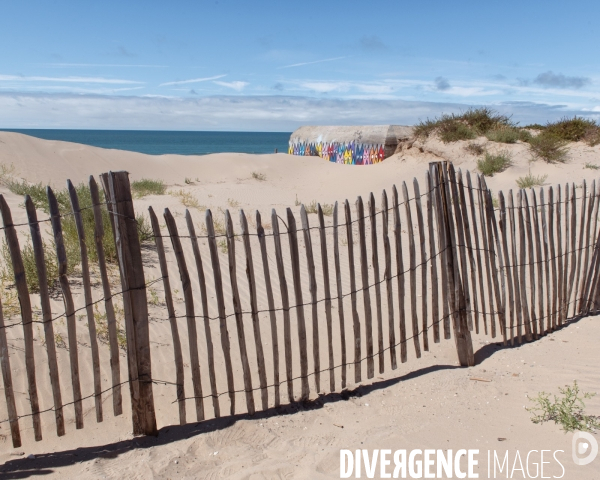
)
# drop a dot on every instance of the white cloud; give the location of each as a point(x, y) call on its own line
point(19, 78)
point(256, 113)
point(193, 80)
point(237, 85)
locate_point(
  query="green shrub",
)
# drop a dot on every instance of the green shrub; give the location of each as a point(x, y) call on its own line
point(572, 129)
point(568, 411)
point(466, 126)
point(529, 181)
point(146, 186)
point(494, 163)
point(548, 147)
point(535, 126)
point(508, 135)
point(591, 166)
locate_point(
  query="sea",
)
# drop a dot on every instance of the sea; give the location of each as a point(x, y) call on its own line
point(154, 142)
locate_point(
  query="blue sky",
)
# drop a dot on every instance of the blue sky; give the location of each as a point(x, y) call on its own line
point(275, 65)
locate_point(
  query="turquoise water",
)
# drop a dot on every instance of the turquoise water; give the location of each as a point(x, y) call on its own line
point(162, 142)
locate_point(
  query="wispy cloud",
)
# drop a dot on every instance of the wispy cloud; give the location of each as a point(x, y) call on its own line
point(442, 84)
point(19, 78)
point(311, 63)
point(193, 80)
point(116, 65)
point(237, 85)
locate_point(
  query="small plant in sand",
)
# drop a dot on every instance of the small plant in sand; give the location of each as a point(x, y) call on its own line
point(144, 228)
point(548, 147)
point(259, 176)
point(566, 409)
point(7, 171)
point(494, 163)
point(591, 166)
point(233, 203)
point(102, 326)
point(475, 149)
point(188, 181)
point(222, 245)
point(312, 207)
point(60, 341)
point(154, 299)
point(530, 181)
point(218, 226)
point(187, 199)
point(146, 186)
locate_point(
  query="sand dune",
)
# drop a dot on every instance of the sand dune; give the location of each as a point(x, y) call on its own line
point(426, 403)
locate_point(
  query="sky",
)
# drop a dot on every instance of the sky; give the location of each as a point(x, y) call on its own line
point(275, 65)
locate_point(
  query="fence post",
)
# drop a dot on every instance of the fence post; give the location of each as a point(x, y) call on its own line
point(135, 302)
point(462, 335)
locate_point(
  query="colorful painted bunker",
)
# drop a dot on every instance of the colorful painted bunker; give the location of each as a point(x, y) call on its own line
point(353, 145)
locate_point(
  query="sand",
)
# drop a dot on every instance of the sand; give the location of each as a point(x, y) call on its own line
point(426, 403)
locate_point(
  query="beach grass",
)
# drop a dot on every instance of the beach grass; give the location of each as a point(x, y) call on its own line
point(147, 186)
point(548, 147)
point(529, 181)
point(491, 164)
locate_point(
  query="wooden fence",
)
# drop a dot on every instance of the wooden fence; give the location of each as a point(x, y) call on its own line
point(276, 310)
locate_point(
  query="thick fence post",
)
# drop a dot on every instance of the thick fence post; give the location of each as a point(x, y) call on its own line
point(462, 335)
point(136, 307)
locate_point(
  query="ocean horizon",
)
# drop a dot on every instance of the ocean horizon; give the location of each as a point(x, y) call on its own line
point(161, 142)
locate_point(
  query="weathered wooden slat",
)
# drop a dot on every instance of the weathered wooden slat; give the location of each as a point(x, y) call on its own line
point(285, 303)
point(595, 215)
point(312, 279)
point(424, 260)
point(225, 343)
point(260, 231)
point(481, 206)
point(340, 298)
point(413, 272)
point(460, 244)
point(580, 248)
point(260, 356)
point(399, 274)
point(69, 306)
point(237, 309)
point(376, 278)
point(573, 251)
point(205, 314)
point(87, 293)
point(9, 393)
point(547, 259)
point(515, 267)
point(504, 227)
point(478, 254)
point(387, 275)
point(566, 254)
point(593, 206)
point(523, 267)
point(355, 319)
point(190, 314)
point(133, 281)
point(492, 234)
point(364, 270)
point(26, 314)
point(435, 309)
point(295, 257)
point(539, 263)
point(462, 334)
point(553, 311)
point(531, 262)
point(178, 357)
point(327, 291)
point(111, 321)
point(559, 255)
point(443, 249)
point(469, 247)
point(40, 263)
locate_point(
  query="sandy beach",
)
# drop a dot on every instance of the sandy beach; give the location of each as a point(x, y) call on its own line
point(426, 403)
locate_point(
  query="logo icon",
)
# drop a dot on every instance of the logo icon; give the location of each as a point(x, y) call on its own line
point(585, 448)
